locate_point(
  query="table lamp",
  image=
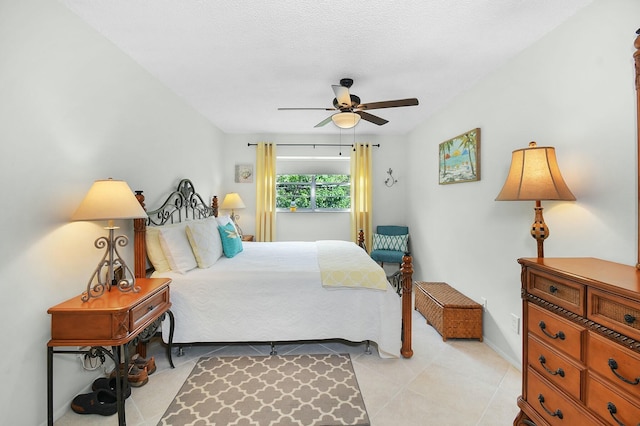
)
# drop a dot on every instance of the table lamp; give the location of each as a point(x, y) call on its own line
point(231, 202)
point(109, 200)
point(534, 175)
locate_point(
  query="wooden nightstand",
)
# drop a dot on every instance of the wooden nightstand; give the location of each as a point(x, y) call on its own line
point(247, 238)
point(114, 320)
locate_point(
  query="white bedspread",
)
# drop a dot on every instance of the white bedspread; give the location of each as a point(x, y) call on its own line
point(273, 292)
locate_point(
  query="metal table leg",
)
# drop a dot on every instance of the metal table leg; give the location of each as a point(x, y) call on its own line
point(170, 345)
point(49, 386)
point(122, 418)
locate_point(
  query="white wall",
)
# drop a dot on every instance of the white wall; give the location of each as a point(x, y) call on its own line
point(573, 90)
point(73, 109)
point(388, 204)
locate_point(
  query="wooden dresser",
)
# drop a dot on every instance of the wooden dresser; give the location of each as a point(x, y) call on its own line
point(581, 343)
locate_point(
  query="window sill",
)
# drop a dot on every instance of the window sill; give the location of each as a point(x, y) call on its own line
point(278, 211)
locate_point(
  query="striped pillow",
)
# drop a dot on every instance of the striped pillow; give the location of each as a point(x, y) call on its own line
point(390, 242)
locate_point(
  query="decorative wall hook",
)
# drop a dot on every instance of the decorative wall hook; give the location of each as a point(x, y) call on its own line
point(390, 181)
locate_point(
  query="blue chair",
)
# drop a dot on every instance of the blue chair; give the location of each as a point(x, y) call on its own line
point(390, 242)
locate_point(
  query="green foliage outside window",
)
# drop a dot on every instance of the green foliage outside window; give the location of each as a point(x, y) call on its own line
point(313, 192)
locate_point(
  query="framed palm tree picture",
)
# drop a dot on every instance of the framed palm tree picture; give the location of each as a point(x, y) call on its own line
point(460, 158)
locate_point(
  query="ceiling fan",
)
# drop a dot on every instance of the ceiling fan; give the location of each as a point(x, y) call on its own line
point(350, 110)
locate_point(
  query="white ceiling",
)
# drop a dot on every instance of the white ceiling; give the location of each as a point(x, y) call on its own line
point(238, 61)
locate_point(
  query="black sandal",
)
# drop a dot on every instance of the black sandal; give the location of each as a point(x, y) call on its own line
point(110, 385)
point(101, 402)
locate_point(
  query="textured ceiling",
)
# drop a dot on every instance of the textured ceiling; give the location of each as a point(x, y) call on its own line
point(238, 61)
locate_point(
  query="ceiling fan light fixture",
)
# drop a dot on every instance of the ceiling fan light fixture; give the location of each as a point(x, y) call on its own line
point(345, 120)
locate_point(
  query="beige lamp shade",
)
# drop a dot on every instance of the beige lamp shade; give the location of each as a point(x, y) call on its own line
point(535, 175)
point(232, 201)
point(109, 199)
point(345, 120)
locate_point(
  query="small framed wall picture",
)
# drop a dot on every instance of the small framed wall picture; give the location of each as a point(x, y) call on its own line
point(244, 173)
point(460, 158)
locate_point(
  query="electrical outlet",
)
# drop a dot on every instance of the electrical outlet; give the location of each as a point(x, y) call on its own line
point(515, 323)
point(484, 303)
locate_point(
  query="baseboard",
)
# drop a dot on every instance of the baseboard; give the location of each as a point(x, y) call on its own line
point(517, 363)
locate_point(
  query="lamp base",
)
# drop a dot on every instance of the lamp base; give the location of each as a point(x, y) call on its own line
point(539, 229)
point(111, 271)
point(234, 219)
point(235, 222)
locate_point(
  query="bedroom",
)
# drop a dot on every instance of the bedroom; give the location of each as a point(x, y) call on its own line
point(76, 109)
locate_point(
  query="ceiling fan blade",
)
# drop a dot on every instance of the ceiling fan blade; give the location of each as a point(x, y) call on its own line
point(388, 104)
point(371, 118)
point(306, 109)
point(342, 95)
point(323, 122)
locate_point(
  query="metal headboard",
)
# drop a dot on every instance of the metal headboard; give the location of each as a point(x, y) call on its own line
point(182, 204)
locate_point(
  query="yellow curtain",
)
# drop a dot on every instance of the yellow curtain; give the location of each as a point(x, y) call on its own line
point(361, 160)
point(265, 192)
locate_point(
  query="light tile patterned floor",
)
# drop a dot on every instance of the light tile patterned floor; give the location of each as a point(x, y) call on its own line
point(457, 383)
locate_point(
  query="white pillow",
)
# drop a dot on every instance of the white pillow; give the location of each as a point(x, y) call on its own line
point(154, 249)
point(204, 239)
point(176, 249)
point(223, 220)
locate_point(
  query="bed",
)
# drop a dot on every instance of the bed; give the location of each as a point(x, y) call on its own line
point(270, 292)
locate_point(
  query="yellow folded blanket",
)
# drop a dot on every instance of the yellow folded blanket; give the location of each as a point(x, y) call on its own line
point(344, 264)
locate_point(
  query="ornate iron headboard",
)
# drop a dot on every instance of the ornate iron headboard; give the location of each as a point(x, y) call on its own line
point(182, 204)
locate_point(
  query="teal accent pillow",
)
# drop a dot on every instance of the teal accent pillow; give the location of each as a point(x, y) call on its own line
point(231, 241)
point(390, 242)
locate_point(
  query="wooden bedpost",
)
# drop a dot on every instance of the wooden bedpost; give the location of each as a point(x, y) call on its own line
point(139, 230)
point(214, 205)
point(139, 259)
point(361, 240)
point(407, 288)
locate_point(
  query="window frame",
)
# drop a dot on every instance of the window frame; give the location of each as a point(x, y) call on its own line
point(313, 185)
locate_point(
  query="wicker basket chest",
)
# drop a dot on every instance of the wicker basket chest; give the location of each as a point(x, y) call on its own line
point(450, 312)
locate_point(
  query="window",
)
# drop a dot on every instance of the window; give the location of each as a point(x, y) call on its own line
point(313, 192)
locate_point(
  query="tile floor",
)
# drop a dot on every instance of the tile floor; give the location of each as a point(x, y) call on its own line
point(458, 382)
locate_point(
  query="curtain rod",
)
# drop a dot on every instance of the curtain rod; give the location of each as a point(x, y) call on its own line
point(313, 144)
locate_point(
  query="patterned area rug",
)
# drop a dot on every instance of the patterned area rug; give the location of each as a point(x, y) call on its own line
point(269, 390)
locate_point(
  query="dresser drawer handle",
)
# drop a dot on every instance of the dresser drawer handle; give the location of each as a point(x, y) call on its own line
point(629, 319)
point(150, 308)
point(613, 365)
point(556, 413)
point(553, 289)
point(559, 335)
point(613, 410)
point(558, 372)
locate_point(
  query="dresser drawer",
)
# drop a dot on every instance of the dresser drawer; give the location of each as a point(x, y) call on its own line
point(614, 362)
point(614, 407)
point(149, 308)
point(100, 325)
point(555, 367)
point(616, 312)
point(557, 332)
point(567, 294)
point(552, 404)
